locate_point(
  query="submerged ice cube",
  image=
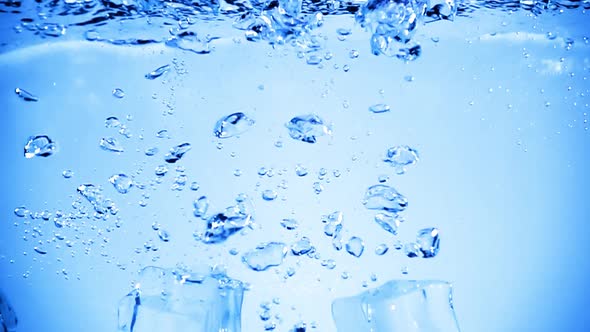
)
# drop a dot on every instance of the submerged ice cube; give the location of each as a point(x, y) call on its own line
point(39, 146)
point(384, 197)
point(233, 125)
point(8, 319)
point(265, 255)
point(398, 305)
point(307, 128)
point(178, 300)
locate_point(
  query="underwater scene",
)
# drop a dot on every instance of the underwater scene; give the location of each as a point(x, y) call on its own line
point(297, 166)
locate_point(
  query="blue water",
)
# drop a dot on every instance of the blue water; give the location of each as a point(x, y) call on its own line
point(476, 118)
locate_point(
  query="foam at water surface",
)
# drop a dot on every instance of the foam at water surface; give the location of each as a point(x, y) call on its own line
point(178, 24)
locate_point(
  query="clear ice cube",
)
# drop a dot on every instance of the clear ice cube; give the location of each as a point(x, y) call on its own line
point(178, 300)
point(398, 306)
point(8, 319)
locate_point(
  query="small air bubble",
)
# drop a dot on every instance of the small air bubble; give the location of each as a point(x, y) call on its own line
point(269, 195)
point(317, 187)
point(313, 60)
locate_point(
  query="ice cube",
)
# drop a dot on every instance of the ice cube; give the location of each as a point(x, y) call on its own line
point(398, 306)
point(179, 300)
point(8, 320)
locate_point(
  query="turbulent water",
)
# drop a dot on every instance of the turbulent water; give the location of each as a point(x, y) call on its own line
point(294, 166)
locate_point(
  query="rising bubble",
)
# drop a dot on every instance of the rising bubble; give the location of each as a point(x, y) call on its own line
point(118, 93)
point(25, 95)
point(307, 128)
point(39, 146)
point(265, 255)
point(111, 144)
point(177, 152)
point(157, 72)
point(355, 246)
point(233, 125)
point(121, 182)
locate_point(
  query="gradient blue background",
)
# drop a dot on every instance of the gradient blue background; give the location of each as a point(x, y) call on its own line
point(508, 186)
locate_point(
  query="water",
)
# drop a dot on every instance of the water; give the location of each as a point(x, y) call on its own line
point(493, 96)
